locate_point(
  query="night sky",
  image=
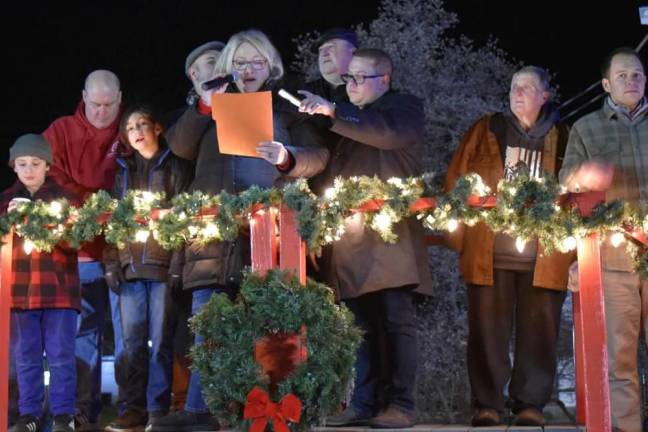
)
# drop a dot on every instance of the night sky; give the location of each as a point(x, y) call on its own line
point(49, 47)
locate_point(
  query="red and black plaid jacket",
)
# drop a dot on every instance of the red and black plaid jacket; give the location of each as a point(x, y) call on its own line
point(42, 280)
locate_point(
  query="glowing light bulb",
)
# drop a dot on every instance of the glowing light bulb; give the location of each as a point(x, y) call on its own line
point(452, 225)
point(330, 193)
point(616, 239)
point(569, 243)
point(383, 221)
point(211, 230)
point(520, 243)
point(141, 236)
point(193, 230)
point(28, 247)
point(395, 181)
point(55, 208)
point(147, 197)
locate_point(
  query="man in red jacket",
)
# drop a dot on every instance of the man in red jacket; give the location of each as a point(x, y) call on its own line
point(84, 147)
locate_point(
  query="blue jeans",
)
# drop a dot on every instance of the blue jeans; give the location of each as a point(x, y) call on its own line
point(146, 314)
point(195, 401)
point(13, 379)
point(51, 331)
point(94, 297)
point(119, 364)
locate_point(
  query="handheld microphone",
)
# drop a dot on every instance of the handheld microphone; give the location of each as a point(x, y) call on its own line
point(218, 82)
point(290, 98)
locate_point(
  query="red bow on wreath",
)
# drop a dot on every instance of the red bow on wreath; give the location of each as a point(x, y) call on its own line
point(260, 408)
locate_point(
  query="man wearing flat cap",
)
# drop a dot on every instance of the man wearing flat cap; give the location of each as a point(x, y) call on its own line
point(206, 269)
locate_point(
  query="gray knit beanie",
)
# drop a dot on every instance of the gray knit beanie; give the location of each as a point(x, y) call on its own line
point(31, 145)
point(202, 49)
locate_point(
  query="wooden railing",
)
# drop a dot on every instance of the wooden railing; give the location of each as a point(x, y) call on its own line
point(592, 389)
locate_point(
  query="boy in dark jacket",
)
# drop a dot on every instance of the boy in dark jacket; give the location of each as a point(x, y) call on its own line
point(144, 275)
point(45, 298)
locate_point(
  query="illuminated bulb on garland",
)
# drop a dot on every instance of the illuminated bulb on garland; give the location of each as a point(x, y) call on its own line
point(141, 236)
point(383, 221)
point(616, 239)
point(569, 244)
point(452, 225)
point(520, 243)
point(147, 197)
point(55, 208)
point(210, 230)
point(193, 230)
point(28, 247)
point(330, 193)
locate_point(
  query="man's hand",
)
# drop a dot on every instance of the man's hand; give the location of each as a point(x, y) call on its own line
point(206, 95)
point(592, 176)
point(273, 151)
point(313, 104)
point(175, 283)
point(114, 278)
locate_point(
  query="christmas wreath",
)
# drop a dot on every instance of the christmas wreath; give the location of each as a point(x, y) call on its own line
point(280, 353)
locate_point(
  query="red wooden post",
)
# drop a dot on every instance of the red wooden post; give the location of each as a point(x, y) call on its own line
point(292, 250)
point(592, 386)
point(5, 308)
point(263, 241)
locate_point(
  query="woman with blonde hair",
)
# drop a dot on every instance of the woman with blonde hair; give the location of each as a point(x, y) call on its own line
point(216, 268)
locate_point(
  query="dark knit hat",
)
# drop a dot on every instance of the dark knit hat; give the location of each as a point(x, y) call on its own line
point(336, 33)
point(31, 145)
point(198, 51)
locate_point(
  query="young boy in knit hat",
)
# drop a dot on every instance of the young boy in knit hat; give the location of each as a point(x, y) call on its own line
point(45, 298)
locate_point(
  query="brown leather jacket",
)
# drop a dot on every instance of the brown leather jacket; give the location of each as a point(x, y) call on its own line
point(479, 152)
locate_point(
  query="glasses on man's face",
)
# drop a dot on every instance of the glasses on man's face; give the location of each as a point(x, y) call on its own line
point(243, 64)
point(357, 78)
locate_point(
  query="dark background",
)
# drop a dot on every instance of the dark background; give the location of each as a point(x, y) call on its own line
point(49, 47)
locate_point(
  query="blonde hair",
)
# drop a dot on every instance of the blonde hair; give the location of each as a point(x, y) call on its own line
point(258, 40)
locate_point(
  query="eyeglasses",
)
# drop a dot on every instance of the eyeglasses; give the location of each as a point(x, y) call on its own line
point(242, 64)
point(357, 78)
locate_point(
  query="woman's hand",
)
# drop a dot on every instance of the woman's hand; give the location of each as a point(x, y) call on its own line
point(313, 104)
point(273, 151)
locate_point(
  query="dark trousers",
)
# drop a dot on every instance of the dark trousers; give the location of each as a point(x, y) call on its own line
point(387, 318)
point(493, 312)
point(89, 337)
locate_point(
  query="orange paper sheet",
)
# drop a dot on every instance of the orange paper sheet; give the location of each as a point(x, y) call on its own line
point(243, 120)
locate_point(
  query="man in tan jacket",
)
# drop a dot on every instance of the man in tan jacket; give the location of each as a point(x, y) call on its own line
point(509, 289)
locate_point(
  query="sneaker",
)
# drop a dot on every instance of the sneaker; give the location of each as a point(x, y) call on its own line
point(154, 416)
point(63, 423)
point(529, 417)
point(349, 417)
point(183, 421)
point(132, 420)
point(84, 424)
point(28, 423)
point(486, 417)
point(393, 418)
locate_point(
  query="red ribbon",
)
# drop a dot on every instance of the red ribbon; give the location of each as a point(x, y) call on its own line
point(260, 408)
